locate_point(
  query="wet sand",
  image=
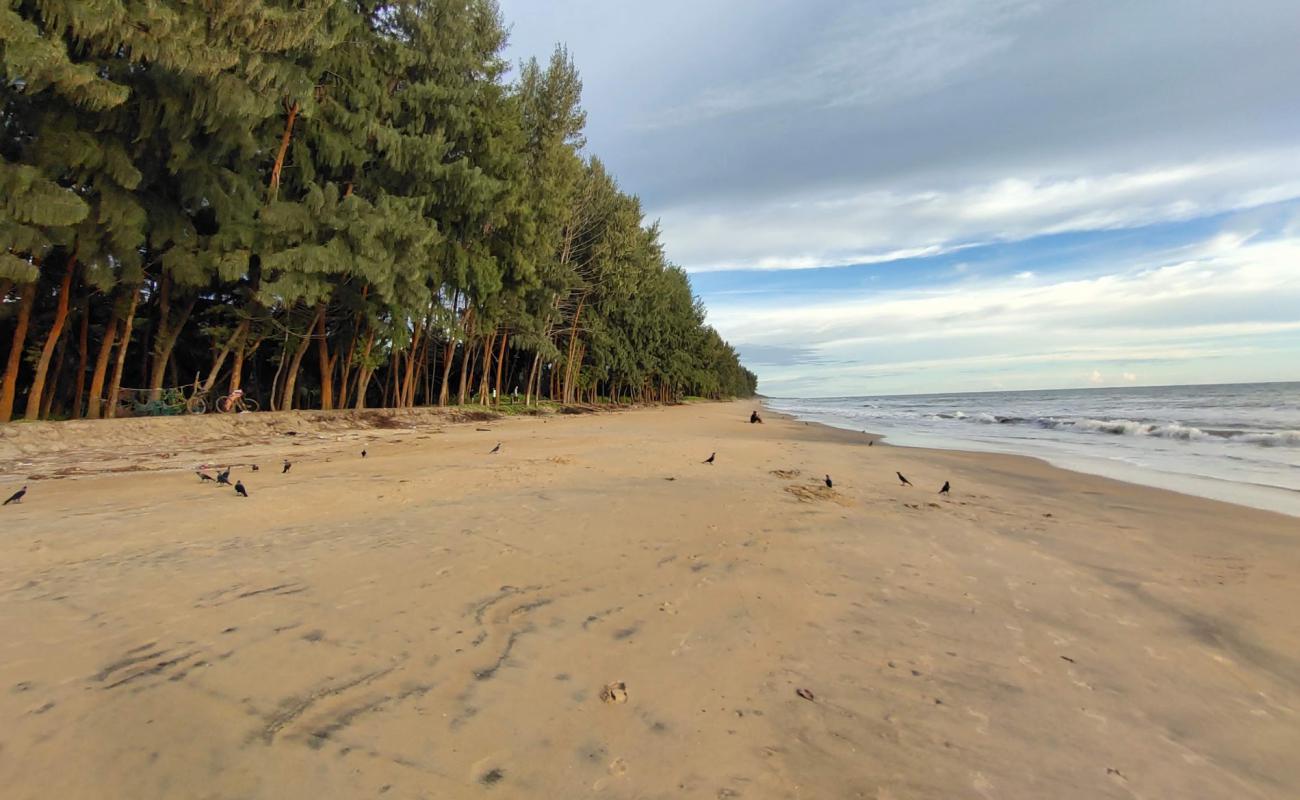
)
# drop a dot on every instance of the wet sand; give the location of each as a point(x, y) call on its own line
point(593, 612)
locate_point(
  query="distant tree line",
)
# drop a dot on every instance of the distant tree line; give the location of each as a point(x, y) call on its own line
point(321, 204)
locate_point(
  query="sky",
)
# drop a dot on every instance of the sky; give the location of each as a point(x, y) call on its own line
point(902, 196)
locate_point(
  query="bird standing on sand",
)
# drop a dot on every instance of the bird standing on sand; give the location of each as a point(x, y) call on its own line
point(286, 466)
point(944, 490)
point(363, 453)
point(16, 497)
point(829, 483)
point(255, 468)
point(904, 480)
point(240, 490)
point(203, 476)
point(223, 478)
point(712, 456)
point(496, 449)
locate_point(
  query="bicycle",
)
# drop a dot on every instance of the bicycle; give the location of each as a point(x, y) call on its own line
point(236, 402)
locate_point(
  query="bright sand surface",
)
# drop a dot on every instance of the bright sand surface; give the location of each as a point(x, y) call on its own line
point(436, 622)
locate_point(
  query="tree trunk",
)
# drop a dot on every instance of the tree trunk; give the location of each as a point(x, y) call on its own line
point(236, 338)
point(501, 360)
point(96, 400)
point(532, 378)
point(291, 379)
point(83, 348)
point(406, 395)
point(486, 376)
point(60, 357)
point(165, 337)
point(10, 383)
point(115, 388)
point(36, 393)
point(570, 372)
point(274, 189)
point(462, 389)
point(326, 368)
point(363, 375)
point(237, 368)
point(444, 391)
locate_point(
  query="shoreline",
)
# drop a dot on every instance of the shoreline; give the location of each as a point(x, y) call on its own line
point(1271, 499)
point(593, 611)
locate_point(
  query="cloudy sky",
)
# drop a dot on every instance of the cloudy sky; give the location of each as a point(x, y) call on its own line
point(895, 196)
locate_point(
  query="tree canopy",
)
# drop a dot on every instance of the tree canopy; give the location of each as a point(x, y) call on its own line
point(205, 194)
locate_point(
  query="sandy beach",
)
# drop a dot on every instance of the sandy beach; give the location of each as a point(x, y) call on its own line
point(594, 612)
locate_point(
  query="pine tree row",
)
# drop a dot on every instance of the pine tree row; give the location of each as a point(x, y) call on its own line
point(317, 204)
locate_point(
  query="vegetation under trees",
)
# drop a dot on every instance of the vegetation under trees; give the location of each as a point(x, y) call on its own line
point(321, 205)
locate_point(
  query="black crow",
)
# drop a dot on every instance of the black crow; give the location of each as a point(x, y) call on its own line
point(363, 453)
point(496, 449)
point(286, 466)
point(829, 483)
point(944, 490)
point(709, 460)
point(16, 497)
point(223, 478)
point(905, 481)
point(203, 476)
point(240, 490)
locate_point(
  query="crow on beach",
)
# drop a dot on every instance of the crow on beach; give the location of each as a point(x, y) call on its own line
point(496, 449)
point(363, 453)
point(945, 488)
point(203, 476)
point(223, 478)
point(16, 497)
point(240, 490)
point(712, 456)
point(904, 480)
point(286, 466)
point(829, 483)
point(255, 468)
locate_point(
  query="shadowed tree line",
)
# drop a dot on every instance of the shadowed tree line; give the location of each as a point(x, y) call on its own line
point(322, 204)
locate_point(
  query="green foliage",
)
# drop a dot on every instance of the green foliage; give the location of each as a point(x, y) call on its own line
point(361, 175)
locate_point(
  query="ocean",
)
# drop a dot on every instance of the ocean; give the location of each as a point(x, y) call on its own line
point(1233, 442)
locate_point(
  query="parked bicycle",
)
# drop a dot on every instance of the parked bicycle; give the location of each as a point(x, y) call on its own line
point(236, 402)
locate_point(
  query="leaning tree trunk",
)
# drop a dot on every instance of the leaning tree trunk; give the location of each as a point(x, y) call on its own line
point(168, 332)
point(235, 339)
point(363, 373)
point(56, 377)
point(291, 379)
point(115, 388)
point(570, 372)
point(95, 400)
point(36, 392)
point(10, 383)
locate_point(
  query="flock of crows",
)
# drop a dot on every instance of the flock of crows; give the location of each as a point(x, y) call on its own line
point(223, 478)
point(754, 418)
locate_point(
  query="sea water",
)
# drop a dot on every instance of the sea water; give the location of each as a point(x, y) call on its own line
point(1239, 443)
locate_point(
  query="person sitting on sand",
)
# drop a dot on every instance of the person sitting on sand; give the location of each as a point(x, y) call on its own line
point(754, 417)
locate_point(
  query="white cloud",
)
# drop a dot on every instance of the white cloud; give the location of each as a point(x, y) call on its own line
point(858, 227)
point(1216, 301)
point(1130, 377)
point(1095, 377)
